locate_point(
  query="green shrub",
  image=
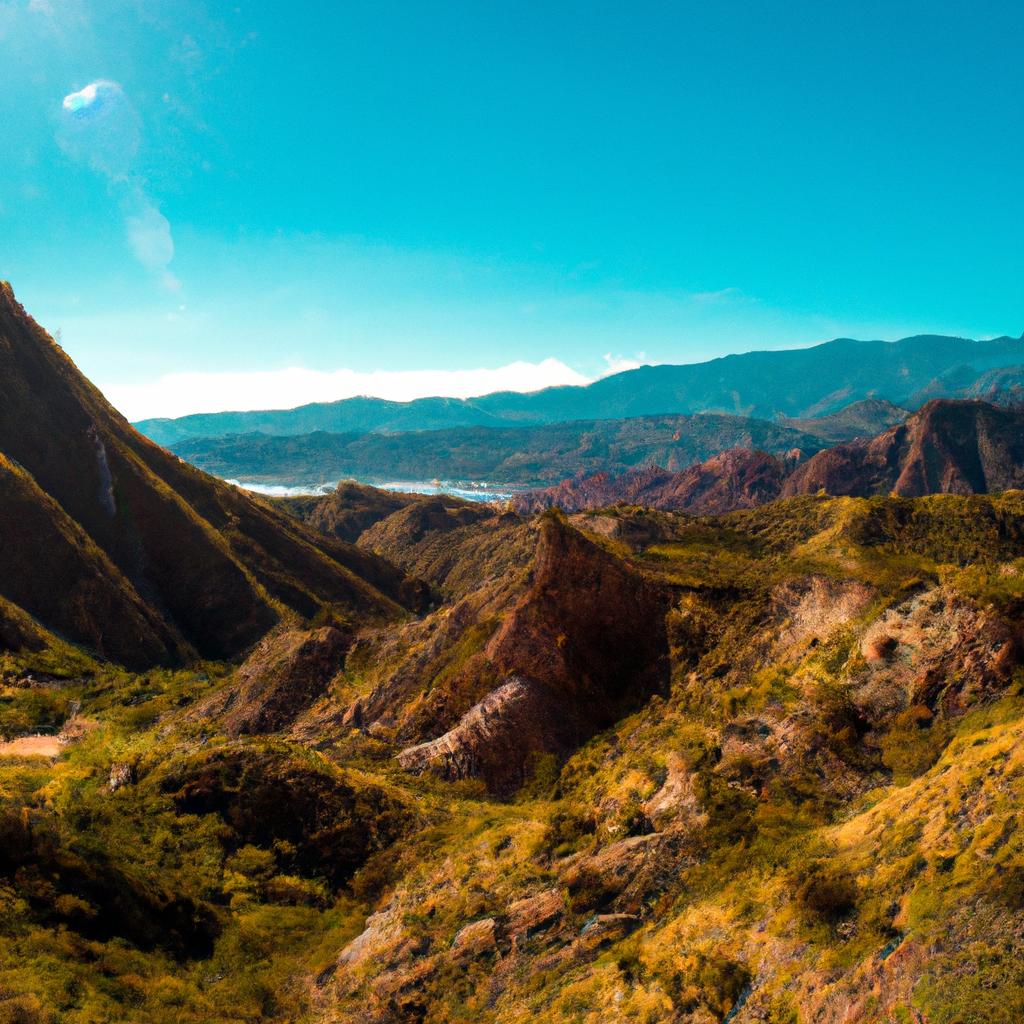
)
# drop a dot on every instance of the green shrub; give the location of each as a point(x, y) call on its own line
point(825, 892)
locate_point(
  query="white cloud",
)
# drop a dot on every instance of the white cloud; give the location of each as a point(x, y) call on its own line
point(616, 364)
point(721, 295)
point(179, 394)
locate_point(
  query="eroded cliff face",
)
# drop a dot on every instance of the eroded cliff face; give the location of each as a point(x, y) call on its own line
point(582, 646)
point(737, 478)
point(947, 447)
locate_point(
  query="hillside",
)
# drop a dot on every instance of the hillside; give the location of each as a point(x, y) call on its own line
point(797, 383)
point(117, 545)
point(947, 448)
point(631, 766)
point(508, 456)
point(865, 418)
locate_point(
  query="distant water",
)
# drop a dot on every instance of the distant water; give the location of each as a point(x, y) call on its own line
point(461, 489)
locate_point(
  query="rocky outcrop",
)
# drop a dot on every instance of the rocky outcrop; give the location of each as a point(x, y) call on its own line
point(284, 675)
point(737, 478)
point(583, 645)
point(946, 448)
point(488, 739)
point(936, 650)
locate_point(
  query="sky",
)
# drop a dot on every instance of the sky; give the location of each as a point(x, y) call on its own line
point(241, 206)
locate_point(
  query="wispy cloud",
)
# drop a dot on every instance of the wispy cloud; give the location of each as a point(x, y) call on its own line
point(179, 394)
point(100, 127)
point(720, 295)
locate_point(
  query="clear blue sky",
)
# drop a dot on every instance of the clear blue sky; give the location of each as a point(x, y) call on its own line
point(385, 186)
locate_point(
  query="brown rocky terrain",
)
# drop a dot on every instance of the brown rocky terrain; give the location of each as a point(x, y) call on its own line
point(949, 447)
point(636, 764)
point(737, 478)
point(582, 645)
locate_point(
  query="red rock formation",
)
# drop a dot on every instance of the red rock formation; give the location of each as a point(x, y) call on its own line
point(946, 448)
point(737, 478)
point(583, 646)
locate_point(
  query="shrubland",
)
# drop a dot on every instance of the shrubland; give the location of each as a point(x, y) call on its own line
point(813, 817)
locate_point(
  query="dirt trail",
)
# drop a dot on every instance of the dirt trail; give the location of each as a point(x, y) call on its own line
point(32, 746)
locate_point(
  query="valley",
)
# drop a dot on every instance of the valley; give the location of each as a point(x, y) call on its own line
point(374, 757)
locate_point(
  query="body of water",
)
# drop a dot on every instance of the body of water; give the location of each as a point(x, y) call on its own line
point(460, 489)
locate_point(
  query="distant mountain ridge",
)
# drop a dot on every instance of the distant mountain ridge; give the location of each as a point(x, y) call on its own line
point(509, 456)
point(793, 383)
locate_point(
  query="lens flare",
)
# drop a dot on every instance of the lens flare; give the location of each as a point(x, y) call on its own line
point(85, 99)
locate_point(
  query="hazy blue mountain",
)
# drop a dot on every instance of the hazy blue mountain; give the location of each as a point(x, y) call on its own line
point(525, 456)
point(794, 383)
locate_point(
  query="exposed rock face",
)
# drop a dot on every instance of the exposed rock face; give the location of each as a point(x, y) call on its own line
point(676, 805)
point(489, 737)
point(737, 478)
point(279, 680)
point(812, 608)
point(477, 938)
point(949, 447)
point(946, 448)
point(935, 650)
point(584, 644)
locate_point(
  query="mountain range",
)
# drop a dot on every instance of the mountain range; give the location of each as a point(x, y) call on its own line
point(386, 758)
point(797, 383)
point(508, 456)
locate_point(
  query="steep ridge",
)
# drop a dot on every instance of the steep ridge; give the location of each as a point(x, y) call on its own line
point(583, 644)
point(796, 383)
point(947, 448)
point(201, 567)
